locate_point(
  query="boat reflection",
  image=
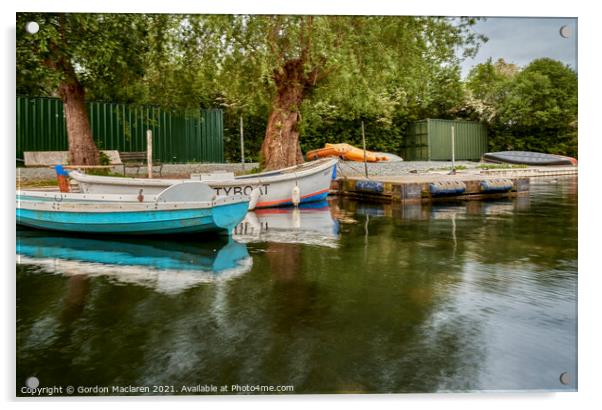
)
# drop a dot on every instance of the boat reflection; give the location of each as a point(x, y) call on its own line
point(166, 266)
point(311, 224)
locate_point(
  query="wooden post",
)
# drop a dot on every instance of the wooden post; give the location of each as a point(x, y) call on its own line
point(453, 147)
point(364, 144)
point(242, 145)
point(149, 152)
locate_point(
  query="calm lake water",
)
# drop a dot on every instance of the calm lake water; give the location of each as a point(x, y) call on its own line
point(338, 297)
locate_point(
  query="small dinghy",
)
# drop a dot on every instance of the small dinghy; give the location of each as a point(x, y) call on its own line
point(185, 207)
point(303, 183)
point(527, 158)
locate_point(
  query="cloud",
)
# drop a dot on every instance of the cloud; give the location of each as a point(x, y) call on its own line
point(520, 40)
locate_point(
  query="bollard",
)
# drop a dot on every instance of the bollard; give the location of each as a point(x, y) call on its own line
point(62, 177)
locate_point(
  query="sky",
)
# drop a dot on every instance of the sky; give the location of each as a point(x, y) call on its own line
point(520, 40)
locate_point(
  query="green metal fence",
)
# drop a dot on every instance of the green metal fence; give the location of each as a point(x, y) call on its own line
point(430, 140)
point(179, 137)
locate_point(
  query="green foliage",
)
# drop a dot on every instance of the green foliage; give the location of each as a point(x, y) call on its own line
point(534, 109)
point(385, 71)
point(100, 172)
point(104, 158)
point(501, 166)
point(38, 183)
point(254, 131)
point(106, 53)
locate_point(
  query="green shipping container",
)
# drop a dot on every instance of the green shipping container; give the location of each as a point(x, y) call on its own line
point(430, 140)
point(178, 136)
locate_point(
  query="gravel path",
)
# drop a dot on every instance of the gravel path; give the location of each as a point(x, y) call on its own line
point(348, 168)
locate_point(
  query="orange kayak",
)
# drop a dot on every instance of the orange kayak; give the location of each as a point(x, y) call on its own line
point(345, 151)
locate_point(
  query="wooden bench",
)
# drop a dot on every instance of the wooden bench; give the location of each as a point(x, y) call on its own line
point(52, 158)
point(137, 159)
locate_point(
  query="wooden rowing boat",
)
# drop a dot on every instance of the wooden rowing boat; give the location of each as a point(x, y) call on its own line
point(303, 183)
point(185, 207)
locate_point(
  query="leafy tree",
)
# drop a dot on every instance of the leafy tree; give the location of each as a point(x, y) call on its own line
point(359, 66)
point(540, 110)
point(288, 75)
point(486, 86)
point(533, 109)
point(72, 53)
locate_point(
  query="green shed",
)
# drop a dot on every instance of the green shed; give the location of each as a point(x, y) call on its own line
point(430, 140)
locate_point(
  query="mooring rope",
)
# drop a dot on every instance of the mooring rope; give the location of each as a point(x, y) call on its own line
point(344, 174)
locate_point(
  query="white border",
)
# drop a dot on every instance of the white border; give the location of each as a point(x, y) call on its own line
point(589, 221)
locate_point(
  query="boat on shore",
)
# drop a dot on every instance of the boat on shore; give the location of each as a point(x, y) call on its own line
point(186, 207)
point(303, 183)
point(527, 158)
point(347, 152)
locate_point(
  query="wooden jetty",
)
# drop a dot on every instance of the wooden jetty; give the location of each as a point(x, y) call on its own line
point(431, 187)
point(471, 184)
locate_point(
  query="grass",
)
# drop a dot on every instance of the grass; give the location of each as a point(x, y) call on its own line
point(501, 166)
point(482, 166)
point(457, 168)
point(255, 170)
point(38, 183)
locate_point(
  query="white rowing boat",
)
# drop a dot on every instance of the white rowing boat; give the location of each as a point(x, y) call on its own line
point(303, 183)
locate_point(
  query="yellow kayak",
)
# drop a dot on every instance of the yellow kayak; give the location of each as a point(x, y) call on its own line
point(345, 151)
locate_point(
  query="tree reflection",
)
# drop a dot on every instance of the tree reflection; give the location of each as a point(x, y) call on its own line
point(404, 306)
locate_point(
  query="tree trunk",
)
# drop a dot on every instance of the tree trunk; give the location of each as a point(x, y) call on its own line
point(82, 149)
point(280, 146)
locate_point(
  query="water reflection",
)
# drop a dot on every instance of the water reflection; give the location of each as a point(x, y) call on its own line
point(452, 296)
point(166, 266)
point(310, 224)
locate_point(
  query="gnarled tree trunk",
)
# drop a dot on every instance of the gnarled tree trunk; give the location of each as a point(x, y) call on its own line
point(280, 146)
point(82, 149)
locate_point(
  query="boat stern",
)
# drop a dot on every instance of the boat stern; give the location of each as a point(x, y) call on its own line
point(229, 212)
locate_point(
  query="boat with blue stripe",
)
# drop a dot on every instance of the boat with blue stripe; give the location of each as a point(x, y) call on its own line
point(307, 182)
point(186, 207)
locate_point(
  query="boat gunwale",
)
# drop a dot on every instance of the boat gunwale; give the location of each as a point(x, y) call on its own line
point(285, 174)
point(123, 207)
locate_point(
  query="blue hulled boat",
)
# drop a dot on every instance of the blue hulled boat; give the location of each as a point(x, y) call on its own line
point(186, 207)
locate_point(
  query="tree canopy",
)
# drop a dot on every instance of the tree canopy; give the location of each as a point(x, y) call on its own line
point(301, 81)
point(532, 109)
point(107, 53)
point(73, 54)
point(303, 71)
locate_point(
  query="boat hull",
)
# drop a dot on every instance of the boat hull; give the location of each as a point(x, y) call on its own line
point(347, 152)
point(528, 158)
point(275, 188)
point(129, 218)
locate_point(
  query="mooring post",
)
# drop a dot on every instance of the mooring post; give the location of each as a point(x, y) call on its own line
point(453, 171)
point(242, 145)
point(364, 144)
point(453, 147)
point(149, 152)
